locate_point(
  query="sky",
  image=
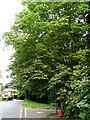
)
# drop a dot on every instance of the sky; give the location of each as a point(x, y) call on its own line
point(8, 10)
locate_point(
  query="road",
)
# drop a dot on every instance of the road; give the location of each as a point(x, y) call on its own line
point(10, 109)
point(14, 109)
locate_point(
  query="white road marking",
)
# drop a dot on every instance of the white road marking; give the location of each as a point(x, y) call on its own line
point(39, 112)
point(21, 113)
point(25, 112)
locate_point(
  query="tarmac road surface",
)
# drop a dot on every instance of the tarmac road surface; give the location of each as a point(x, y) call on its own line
point(10, 109)
point(14, 109)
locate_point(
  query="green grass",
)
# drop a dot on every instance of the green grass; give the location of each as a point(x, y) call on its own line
point(29, 103)
point(49, 115)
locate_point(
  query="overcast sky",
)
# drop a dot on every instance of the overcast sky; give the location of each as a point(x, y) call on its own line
point(8, 10)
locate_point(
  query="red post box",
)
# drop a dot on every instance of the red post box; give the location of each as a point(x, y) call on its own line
point(60, 112)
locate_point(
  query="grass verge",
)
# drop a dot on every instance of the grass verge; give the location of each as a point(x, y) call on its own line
point(49, 115)
point(29, 103)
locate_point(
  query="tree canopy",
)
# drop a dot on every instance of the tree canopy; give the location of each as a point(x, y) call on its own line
point(51, 54)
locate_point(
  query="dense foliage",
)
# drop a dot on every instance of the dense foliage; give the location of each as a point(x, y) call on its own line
point(51, 55)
